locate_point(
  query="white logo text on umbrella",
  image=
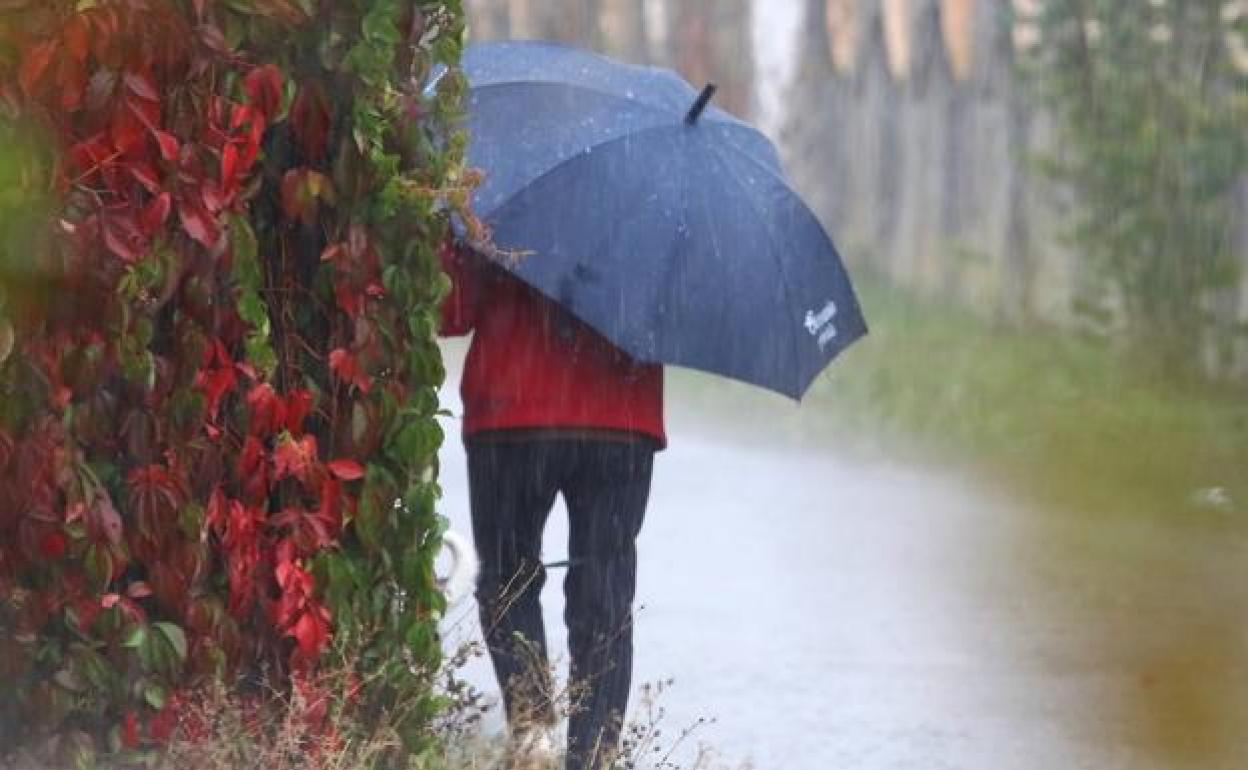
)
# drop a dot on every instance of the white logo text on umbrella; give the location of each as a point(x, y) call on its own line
point(820, 324)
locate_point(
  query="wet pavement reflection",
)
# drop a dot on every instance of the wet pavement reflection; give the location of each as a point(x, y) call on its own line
point(836, 609)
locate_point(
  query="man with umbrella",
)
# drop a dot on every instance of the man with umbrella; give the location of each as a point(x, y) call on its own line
point(656, 229)
point(552, 407)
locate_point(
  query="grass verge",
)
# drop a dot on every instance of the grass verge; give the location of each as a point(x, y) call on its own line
point(1063, 417)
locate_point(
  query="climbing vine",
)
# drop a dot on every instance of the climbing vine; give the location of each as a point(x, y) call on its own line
point(218, 388)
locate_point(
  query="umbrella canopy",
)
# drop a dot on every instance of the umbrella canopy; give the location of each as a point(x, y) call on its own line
point(668, 228)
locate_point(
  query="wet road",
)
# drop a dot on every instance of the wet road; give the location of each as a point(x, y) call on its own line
point(842, 610)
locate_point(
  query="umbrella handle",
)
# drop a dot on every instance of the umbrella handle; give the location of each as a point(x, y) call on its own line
point(704, 99)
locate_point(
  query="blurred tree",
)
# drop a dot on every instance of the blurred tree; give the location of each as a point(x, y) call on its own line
point(1152, 114)
point(488, 19)
point(706, 40)
point(622, 29)
point(573, 22)
point(711, 43)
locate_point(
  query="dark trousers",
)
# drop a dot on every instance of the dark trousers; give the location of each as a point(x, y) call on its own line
point(605, 484)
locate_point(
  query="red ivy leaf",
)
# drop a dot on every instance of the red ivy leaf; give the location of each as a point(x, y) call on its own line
point(348, 298)
point(61, 396)
point(103, 41)
point(90, 154)
point(155, 213)
point(268, 411)
point(330, 510)
point(35, 64)
point(310, 120)
point(160, 726)
point(147, 112)
point(310, 531)
point(77, 37)
point(71, 80)
point(145, 175)
point(168, 144)
point(253, 470)
point(118, 245)
point(242, 113)
point(156, 493)
point(212, 196)
point(295, 457)
point(217, 376)
point(123, 236)
point(199, 224)
point(52, 545)
point(86, 610)
point(347, 470)
point(298, 405)
point(141, 85)
point(250, 148)
point(126, 129)
point(263, 86)
point(311, 631)
point(216, 515)
point(229, 167)
point(344, 366)
point(130, 730)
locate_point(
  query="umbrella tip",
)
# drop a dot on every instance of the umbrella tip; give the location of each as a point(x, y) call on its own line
point(704, 98)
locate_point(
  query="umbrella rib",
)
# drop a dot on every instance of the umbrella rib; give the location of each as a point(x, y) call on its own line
point(717, 156)
point(606, 237)
point(775, 173)
point(502, 207)
point(670, 273)
point(778, 176)
point(634, 215)
point(784, 278)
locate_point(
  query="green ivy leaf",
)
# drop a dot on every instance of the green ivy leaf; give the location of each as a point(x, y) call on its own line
point(260, 353)
point(369, 520)
point(191, 520)
point(175, 636)
point(136, 637)
point(99, 566)
point(252, 310)
point(155, 695)
point(418, 441)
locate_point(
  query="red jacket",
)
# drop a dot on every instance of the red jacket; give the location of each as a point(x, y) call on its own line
point(532, 365)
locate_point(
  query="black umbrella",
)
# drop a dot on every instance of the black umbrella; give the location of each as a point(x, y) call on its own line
point(661, 221)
